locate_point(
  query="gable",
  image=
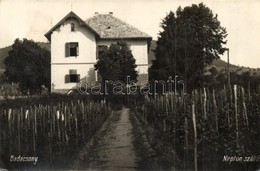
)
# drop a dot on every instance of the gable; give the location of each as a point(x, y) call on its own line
point(71, 15)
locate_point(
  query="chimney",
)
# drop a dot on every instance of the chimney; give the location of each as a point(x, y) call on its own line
point(96, 13)
point(111, 13)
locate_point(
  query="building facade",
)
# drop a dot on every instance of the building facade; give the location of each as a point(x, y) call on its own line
point(76, 44)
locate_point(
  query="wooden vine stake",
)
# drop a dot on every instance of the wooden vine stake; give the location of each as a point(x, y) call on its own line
point(205, 104)
point(186, 146)
point(195, 136)
point(236, 114)
point(244, 108)
point(215, 110)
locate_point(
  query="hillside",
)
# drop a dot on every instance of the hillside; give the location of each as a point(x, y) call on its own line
point(218, 63)
point(44, 45)
point(4, 53)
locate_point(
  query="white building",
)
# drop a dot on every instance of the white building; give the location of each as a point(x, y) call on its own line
point(75, 45)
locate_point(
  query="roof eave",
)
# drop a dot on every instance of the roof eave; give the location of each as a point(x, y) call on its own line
point(125, 38)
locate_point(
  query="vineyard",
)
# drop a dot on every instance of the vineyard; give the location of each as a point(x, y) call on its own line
point(196, 131)
point(49, 128)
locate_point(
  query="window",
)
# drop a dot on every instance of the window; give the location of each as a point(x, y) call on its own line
point(72, 49)
point(72, 27)
point(100, 50)
point(72, 77)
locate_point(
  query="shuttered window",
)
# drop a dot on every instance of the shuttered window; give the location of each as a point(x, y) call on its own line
point(72, 49)
point(72, 77)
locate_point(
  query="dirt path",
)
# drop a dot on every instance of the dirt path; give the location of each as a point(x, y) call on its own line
point(112, 147)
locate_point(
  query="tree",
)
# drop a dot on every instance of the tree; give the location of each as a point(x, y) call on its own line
point(190, 40)
point(116, 63)
point(29, 65)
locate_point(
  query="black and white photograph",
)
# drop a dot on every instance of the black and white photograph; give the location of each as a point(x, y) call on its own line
point(133, 85)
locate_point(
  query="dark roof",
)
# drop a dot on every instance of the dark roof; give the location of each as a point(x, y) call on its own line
point(105, 26)
point(110, 27)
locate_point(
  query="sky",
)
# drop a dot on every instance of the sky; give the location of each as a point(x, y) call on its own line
point(31, 19)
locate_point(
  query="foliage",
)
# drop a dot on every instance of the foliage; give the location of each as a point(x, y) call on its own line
point(190, 40)
point(116, 63)
point(29, 65)
point(7, 89)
